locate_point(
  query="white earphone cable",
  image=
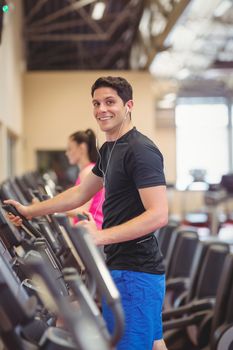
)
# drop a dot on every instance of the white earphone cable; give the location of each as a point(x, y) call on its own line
point(108, 162)
point(110, 155)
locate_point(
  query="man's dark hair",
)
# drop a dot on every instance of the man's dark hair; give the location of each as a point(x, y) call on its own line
point(120, 85)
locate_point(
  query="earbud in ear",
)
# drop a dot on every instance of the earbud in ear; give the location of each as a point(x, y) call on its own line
point(126, 111)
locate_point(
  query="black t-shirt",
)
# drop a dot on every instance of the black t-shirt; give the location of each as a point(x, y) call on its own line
point(131, 163)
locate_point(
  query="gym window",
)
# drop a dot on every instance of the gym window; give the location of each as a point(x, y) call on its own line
point(203, 141)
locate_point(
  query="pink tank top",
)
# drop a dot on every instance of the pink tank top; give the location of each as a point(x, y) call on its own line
point(95, 205)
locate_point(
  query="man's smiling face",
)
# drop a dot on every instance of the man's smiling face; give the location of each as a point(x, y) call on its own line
point(109, 110)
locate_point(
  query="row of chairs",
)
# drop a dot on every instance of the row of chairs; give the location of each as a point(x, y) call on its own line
point(50, 271)
point(198, 309)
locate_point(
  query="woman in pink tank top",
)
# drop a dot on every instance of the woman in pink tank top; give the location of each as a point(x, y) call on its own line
point(81, 151)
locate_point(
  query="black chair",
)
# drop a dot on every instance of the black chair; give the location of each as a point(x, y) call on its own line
point(221, 336)
point(184, 325)
point(180, 252)
point(164, 235)
point(180, 256)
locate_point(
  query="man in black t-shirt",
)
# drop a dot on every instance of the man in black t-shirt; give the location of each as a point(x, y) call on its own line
point(130, 167)
point(135, 163)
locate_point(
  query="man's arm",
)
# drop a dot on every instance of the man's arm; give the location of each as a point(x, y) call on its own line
point(154, 200)
point(86, 206)
point(67, 200)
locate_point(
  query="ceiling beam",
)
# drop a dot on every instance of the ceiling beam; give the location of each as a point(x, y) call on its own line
point(54, 26)
point(33, 35)
point(62, 12)
point(48, 51)
point(222, 65)
point(35, 9)
point(158, 40)
point(67, 37)
point(115, 33)
point(161, 8)
point(88, 19)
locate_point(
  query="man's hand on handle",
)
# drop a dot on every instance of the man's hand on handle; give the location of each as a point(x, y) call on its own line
point(90, 225)
point(22, 209)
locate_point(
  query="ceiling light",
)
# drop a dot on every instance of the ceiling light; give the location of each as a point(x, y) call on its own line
point(98, 10)
point(163, 104)
point(222, 8)
point(181, 37)
point(164, 64)
point(170, 97)
point(144, 26)
point(183, 74)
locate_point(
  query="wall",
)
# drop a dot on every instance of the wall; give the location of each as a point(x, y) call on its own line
point(57, 104)
point(11, 67)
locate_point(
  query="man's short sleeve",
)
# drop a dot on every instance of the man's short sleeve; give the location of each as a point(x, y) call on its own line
point(96, 169)
point(145, 166)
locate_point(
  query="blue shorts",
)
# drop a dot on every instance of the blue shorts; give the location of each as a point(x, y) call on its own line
point(142, 296)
